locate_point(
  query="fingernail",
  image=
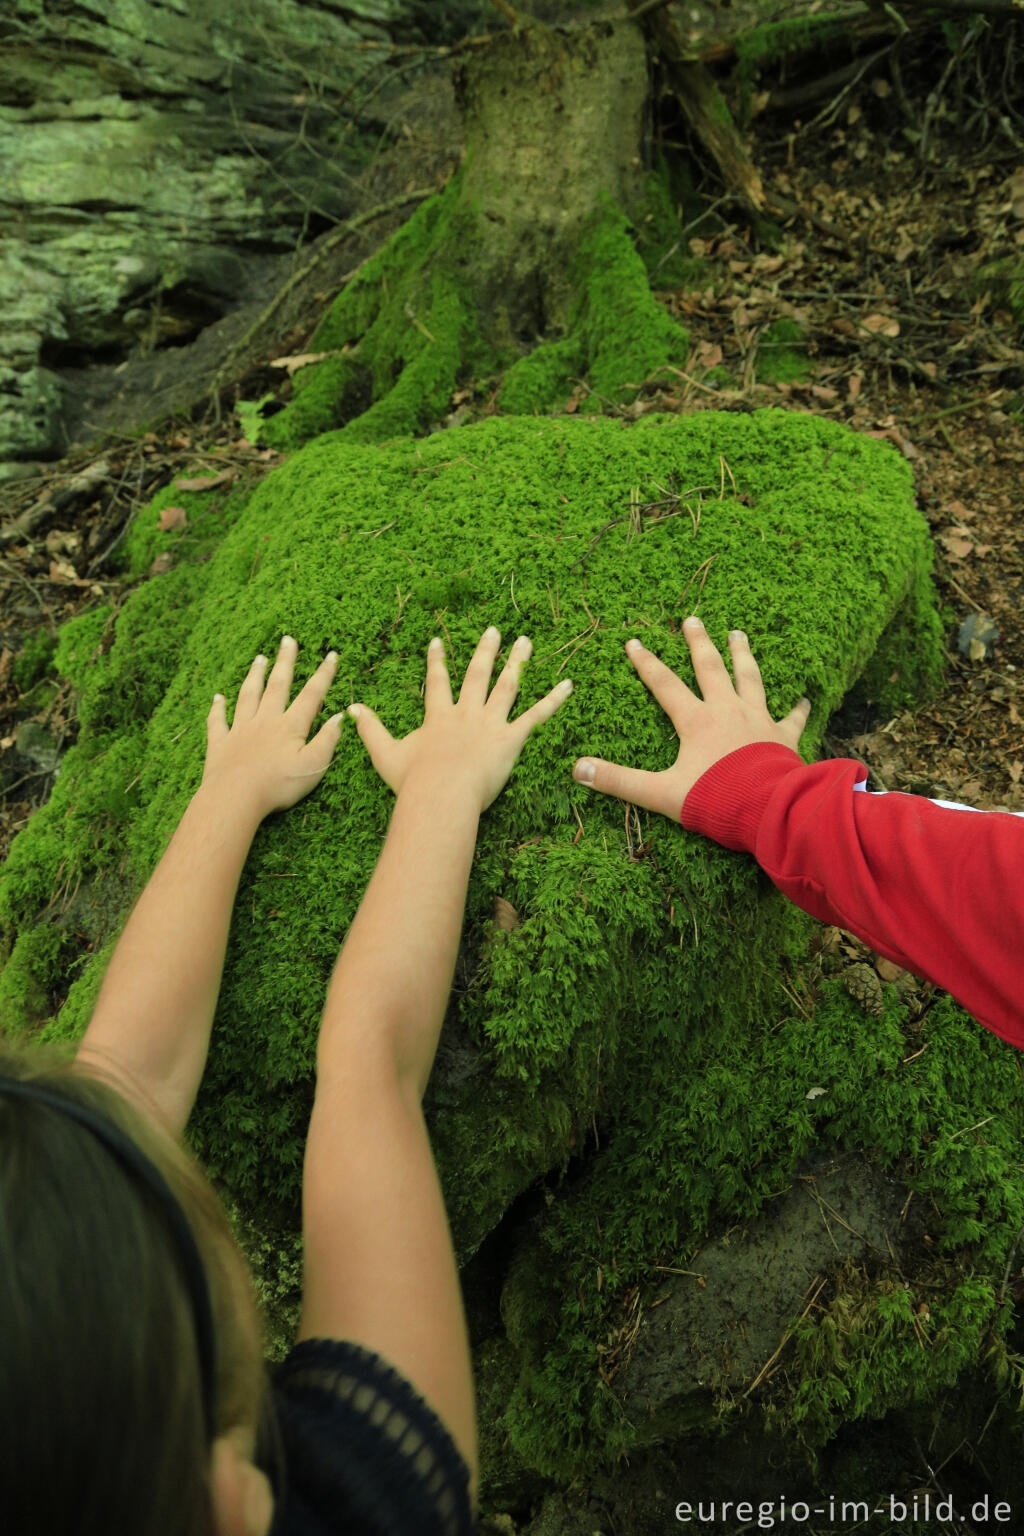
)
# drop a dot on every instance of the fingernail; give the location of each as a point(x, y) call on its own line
point(332, 656)
point(354, 711)
point(493, 632)
point(584, 771)
point(693, 623)
point(736, 634)
point(633, 645)
point(806, 703)
point(262, 660)
point(435, 644)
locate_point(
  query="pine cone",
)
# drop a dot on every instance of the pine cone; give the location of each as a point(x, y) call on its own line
point(863, 983)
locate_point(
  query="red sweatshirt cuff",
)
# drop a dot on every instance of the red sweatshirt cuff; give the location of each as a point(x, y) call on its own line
point(728, 801)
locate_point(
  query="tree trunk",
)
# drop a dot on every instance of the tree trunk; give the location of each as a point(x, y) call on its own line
point(523, 270)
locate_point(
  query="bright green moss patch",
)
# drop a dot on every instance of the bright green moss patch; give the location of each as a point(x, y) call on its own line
point(406, 333)
point(636, 1031)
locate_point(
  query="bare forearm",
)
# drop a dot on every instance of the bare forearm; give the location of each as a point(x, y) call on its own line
point(392, 979)
point(156, 1005)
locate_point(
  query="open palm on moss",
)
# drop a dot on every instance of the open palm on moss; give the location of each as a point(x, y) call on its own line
point(472, 739)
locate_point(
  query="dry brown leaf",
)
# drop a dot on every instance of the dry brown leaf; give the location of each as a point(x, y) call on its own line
point(853, 385)
point(958, 548)
point(505, 915)
point(205, 482)
point(881, 325)
point(171, 518)
point(302, 360)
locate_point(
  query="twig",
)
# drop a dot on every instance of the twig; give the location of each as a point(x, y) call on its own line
point(1009, 1265)
point(785, 1338)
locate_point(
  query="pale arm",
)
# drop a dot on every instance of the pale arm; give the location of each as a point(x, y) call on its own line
point(380, 1266)
point(153, 1016)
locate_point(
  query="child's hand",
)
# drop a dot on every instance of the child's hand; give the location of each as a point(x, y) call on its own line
point(473, 740)
point(728, 718)
point(265, 757)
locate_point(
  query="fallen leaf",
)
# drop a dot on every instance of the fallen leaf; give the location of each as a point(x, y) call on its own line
point(302, 360)
point(853, 385)
point(958, 548)
point(815, 1093)
point(881, 325)
point(171, 518)
point(205, 482)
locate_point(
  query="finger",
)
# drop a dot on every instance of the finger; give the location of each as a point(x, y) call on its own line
point(637, 785)
point(321, 748)
point(217, 720)
point(746, 671)
point(541, 711)
point(478, 673)
point(310, 701)
point(675, 698)
point(439, 688)
point(505, 689)
point(377, 740)
point(712, 675)
point(795, 722)
point(279, 683)
point(251, 691)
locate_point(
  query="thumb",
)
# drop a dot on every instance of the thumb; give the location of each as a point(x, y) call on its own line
point(377, 740)
point(637, 785)
point(793, 725)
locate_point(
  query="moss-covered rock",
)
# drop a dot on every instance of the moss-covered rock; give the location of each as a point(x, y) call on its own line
point(631, 1037)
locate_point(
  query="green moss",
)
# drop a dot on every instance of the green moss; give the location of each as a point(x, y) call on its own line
point(659, 238)
point(781, 357)
point(399, 372)
point(641, 1001)
point(33, 660)
point(409, 330)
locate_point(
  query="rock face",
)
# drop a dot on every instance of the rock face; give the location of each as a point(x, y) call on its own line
point(152, 158)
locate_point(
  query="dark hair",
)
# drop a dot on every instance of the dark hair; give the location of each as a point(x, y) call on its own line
point(101, 1407)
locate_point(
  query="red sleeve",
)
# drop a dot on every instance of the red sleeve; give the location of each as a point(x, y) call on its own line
point(936, 887)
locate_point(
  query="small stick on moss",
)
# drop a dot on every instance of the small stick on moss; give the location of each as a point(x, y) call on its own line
point(785, 1339)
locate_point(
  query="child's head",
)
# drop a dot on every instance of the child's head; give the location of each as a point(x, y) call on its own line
point(102, 1424)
